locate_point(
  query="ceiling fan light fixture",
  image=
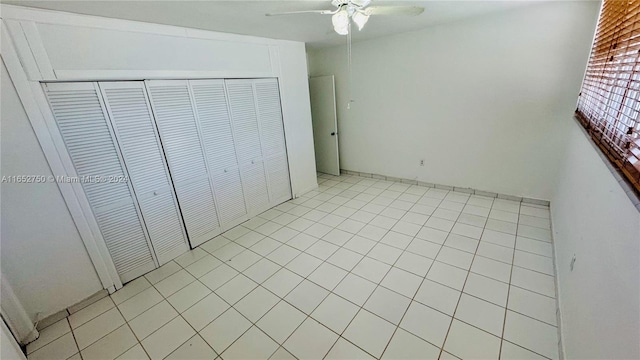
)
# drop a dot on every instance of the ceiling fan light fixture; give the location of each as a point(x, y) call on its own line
point(360, 19)
point(340, 21)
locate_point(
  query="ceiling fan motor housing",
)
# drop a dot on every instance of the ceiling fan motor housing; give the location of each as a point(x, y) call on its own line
point(355, 3)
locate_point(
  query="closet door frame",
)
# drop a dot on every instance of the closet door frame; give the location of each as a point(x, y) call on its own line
point(62, 165)
point(104, 85)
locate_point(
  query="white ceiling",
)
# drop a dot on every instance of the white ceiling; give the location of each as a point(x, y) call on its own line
point(248, 17)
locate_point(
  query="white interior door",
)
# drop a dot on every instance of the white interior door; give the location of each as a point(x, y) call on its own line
point(325, 124)
point(135, 130)
point(174, 114)
point(86, 131)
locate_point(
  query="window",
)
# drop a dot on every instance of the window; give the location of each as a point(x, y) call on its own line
point(609, 102)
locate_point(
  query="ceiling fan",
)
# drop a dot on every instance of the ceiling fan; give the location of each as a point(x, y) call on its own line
point(357, 11)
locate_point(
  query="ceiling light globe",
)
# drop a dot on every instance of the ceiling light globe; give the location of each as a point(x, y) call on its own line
point(360, 19)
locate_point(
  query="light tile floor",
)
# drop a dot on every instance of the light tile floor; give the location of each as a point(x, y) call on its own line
point(357, 269)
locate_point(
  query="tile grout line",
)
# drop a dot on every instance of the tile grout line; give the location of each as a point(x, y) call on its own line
point(453, 316)
point(74, 339)
point(506, 305)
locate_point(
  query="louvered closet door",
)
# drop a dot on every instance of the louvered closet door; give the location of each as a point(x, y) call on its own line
point(131, 118)
point(87, 134)
point(273, 141)
point(173, 111)
point(217, 138)
point(246, 130)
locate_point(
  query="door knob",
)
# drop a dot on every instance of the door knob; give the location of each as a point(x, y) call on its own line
point(155, 193)
point(333, 133)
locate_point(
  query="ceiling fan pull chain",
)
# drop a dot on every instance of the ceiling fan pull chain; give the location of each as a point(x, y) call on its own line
point(349, 67)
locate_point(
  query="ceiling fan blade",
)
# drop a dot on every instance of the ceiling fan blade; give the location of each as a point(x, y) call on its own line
point(323, 12)
point(394, 10)
point(362, 3)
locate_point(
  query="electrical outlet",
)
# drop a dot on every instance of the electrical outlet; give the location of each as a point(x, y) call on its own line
point(573, 262)
point(422, 162)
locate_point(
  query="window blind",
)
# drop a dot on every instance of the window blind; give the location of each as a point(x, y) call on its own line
point(609, 101)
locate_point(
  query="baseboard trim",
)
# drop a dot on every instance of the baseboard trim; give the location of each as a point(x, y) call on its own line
point(15, 315)
point(51, 319)
point(448, 187)
point(561, 348)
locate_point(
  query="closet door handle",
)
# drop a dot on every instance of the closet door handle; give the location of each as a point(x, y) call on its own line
point(155, 193)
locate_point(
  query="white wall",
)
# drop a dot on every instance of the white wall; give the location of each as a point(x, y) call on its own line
point(595, 220)
point(42, 255)
point(67, 49)
point(478, 99)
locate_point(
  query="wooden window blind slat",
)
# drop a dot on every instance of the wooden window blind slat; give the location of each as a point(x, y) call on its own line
point(609, 101)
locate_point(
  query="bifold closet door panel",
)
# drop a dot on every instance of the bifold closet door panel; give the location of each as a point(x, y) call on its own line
point(246, 129)
point(172, 107)
point(279, 181)
point(212, 110)
point(230, 196)
point(87, 134)
point(273, 140)
point(255, 186)
point(270, 115)
point(133, 124)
